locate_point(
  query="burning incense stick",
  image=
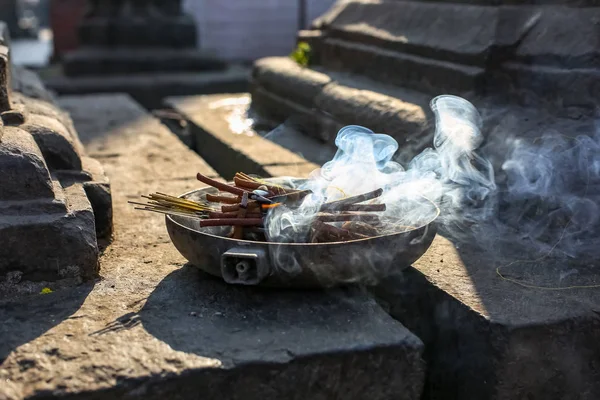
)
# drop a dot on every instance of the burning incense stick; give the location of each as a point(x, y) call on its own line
point(222, 199)
point(252, 206)
point(362, 207)
point(246, 202)
point(352, 200)
point(341, 217)
point(220, 185)
point(231, 222)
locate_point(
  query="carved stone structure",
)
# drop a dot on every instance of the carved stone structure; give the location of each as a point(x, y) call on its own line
point(54, 201)
point(146, 48)
point(531, 68)
point(134, 36)
point(495, 50)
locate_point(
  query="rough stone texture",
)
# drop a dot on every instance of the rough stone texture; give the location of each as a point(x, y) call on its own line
point(55, 141)
point(98, 192)
point(464, 48)
point(229, 152)
point(282, 78)
point(5, 67)
point(487, 338)
point(29, 84)
point(154, 328)
point(495, 54)
point(24, 172)
point(328, 101)
point(47, 223)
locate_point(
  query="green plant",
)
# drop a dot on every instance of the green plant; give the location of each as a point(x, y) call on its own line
point(302, 54)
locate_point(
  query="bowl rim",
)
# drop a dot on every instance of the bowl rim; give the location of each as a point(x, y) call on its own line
point(169, 219)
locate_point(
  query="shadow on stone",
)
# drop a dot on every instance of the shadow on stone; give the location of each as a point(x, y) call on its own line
point(24, 321)
point(292, 339)
point(486, 335)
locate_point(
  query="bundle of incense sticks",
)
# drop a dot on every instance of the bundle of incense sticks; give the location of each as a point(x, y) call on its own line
point(244, 204)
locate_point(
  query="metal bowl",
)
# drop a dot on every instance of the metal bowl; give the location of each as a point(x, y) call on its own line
point(366, 261)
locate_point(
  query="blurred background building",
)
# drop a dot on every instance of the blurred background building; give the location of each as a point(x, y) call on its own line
point(235, 30)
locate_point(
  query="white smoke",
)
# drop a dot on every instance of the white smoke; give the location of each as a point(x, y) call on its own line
point(450, 174)
point(535, 194)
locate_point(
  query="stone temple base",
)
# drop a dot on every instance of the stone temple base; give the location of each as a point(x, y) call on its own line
point(150, 88)
point(54, 201)
point(99, 61)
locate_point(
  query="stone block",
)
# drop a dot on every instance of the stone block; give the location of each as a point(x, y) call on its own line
point(175, 32)
point(229, 152)
point(402, 69)
point(445, 32)
point(29, 84)
point(99, 193)
point(55, 141)
point(284, 78)
point(46, 231)
point(105, 61)
point(150, 89)
point(485, 48)
point(51, 246)
point(322, 102)
point(5, 85)
point(47, 223)
point(25, 176)
point(488, 338)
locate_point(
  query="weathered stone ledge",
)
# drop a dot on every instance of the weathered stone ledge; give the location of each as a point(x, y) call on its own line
point(485, 337)
point(281, 88)
point(150, 89)
point(155, 328)
point(485, 49)
point(54, 201)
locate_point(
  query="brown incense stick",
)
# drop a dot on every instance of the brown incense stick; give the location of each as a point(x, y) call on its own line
point(362, 207)
point(347, 217)
point(322, 229)
point(222, 199)
point(233, 214)
point(352, 200)
point(231, 222)
point(220, 185)
point(252, 206)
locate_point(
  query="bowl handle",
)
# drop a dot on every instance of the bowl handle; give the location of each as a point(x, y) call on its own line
point(244, 266)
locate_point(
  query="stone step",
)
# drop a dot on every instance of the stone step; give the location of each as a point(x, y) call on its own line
point(485, 337)
point(156, 328)
point(101, 61)
point(322, 101)
point(488, 49)
point(150, 89)
point(224, 136)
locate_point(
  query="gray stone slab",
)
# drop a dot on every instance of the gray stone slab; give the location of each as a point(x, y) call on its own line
point(55, 141)
point(486, 337)
point(276, 76)
point(212, 123)
point(489, 338)
point(115, 61)
point(548, 50)
point(49, 246)
point(151, 89)
point(345, 100)
point(459, 36)
point(24, 172)
point(47, 224)
point(153, 328)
